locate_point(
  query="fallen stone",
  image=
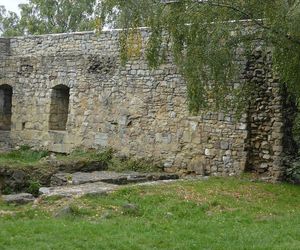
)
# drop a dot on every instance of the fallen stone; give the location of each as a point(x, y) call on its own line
point(78, 178)
point(63, 212)
point(78, 190)
point(130, 208)
point(22, 198)
point(7, 213)
point(169, 215)
point(106, 215)
point(44, 190)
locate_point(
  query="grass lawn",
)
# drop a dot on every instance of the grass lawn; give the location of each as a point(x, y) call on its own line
point(214, 214)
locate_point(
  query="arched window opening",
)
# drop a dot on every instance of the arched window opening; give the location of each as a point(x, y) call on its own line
point(6, 92)
point(59, 107)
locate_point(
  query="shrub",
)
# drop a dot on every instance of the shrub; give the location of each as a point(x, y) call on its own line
point(33, 187)
point(7, 190)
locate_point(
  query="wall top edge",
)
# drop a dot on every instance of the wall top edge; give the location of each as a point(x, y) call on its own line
point(104, 31)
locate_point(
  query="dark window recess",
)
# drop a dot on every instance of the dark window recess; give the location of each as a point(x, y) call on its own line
point(6, 92)
point(59, 107)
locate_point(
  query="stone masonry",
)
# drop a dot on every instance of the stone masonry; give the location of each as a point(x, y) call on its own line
point(70, 90)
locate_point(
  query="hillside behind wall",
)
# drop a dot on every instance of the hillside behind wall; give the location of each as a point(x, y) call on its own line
point(136, 110)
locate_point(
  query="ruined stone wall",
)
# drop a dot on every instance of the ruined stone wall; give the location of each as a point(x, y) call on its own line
point(5, 96)
point(266, 121)
point(136, 110)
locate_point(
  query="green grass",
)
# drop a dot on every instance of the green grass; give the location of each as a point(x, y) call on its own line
point(86, 155)
point(22, 157)
point(214, 214)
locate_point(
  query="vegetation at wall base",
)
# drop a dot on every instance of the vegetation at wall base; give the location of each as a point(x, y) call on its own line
point(26, 157)
point(22, 156)
point(219, 213)
point(27, 170)
point(110, 158)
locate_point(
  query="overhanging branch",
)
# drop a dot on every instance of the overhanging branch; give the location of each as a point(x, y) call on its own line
point(244, 13)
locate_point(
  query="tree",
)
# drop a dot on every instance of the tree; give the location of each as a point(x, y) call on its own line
point(9, 23)
point(56, 16)
point(49, 16)
point(204, 35)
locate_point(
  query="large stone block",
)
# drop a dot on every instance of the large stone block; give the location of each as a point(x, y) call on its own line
point(101, 139)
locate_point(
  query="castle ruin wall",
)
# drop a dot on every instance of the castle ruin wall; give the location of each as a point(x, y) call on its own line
point(71, 90)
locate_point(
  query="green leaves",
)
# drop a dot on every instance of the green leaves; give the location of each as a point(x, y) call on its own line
point(205, 36)
point(8, 23)
point(51, 16)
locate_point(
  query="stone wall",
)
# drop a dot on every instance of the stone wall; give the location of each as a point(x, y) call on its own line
point(136, 110)
point(4, 122)
point(266, 118)
point(59, 107)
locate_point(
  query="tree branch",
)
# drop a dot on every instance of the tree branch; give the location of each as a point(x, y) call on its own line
point(257, 22)
point(244, 13)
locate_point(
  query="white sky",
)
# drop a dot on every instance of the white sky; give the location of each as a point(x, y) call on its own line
point(12, 5)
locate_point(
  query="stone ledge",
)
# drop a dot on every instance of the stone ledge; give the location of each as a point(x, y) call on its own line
point(22, 198)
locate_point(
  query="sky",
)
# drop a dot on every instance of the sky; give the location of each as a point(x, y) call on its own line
point(12, 5)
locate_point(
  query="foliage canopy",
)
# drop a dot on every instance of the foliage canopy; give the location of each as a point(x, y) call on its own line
point(8, 22)
point(49, 16)
point(205, 35)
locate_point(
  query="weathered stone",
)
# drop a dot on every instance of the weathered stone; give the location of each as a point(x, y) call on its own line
point(130, 208)
point(224, 145)
point(210, 152)
point(78, 178)
point(65, 211)
point(263, 166)
point(226, 159)
point(80, 190)
point(20, 199)
point(267, 157)
point(197, 165)
point(242, 126)
point(101, 139)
